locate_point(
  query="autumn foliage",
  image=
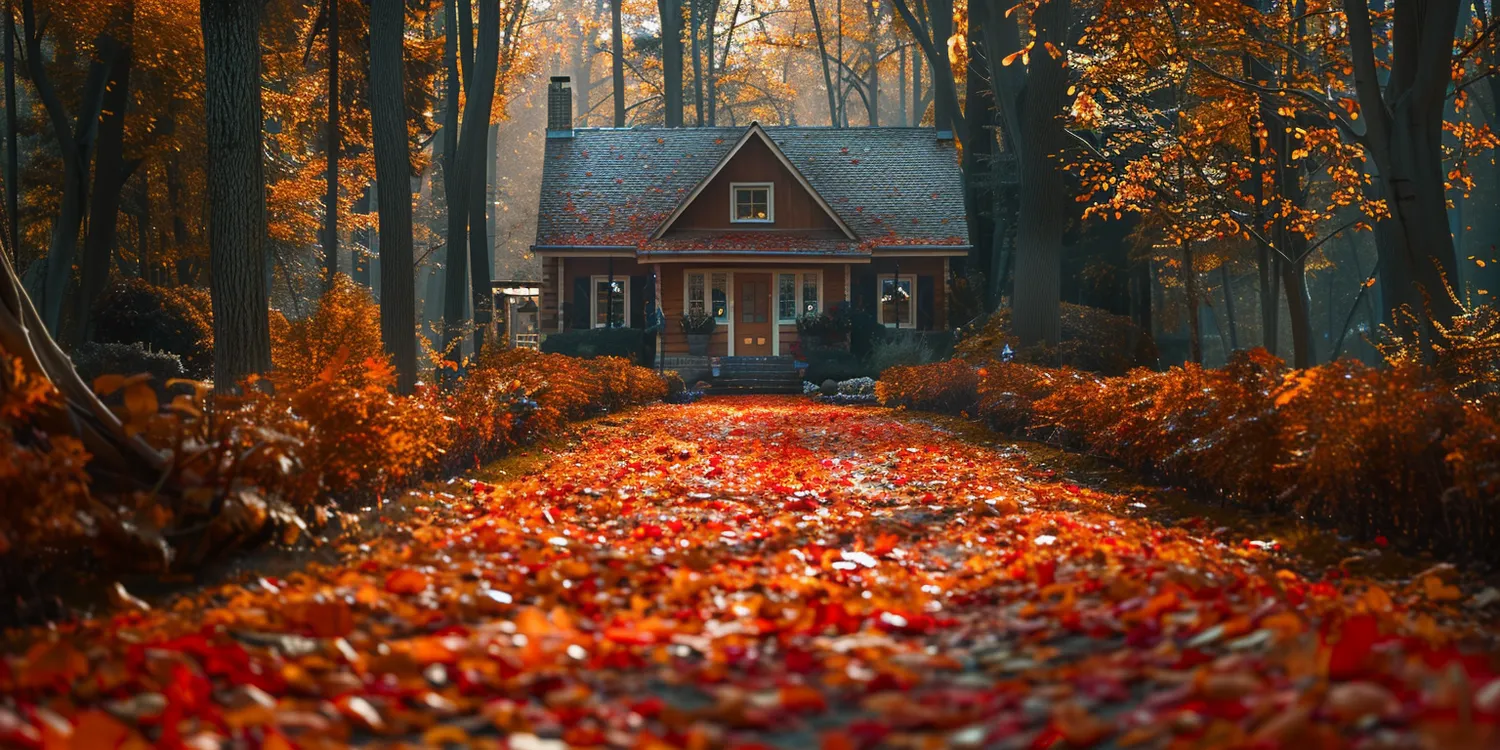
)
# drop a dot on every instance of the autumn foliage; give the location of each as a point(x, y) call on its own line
point(271, 459)
point(1392, 452)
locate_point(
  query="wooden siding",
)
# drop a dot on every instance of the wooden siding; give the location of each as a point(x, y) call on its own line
point(795, 208)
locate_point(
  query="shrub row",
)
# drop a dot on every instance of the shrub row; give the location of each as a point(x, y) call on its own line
point(242, 463)
point(1391, 452)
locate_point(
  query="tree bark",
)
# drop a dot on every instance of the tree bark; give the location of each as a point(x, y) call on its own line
point(671, 59)
point(398, 305)
point(456, 251)
point(332, 138)
point(110, 174)
point(1403, 116)
point(833, 105)
point(75, 144)
point(236, 189)
point(12, 152)
point(617, 65)
point(696, 49)
point(901, 87)
point(1194, 304)
point(1234, 336)
point(469, 159)
point(1299, 307)
point(1031, 109)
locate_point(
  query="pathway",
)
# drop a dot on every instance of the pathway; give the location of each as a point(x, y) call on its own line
point(764, 570)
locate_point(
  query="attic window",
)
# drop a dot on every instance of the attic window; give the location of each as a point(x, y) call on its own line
point(752, 203)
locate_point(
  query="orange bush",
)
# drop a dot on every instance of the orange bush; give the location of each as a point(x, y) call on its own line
point(1394, 452)
point(343, 330)
point(42, 475)
point(245, 462)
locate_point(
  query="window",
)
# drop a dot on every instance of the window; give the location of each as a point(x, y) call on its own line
point(794, 300)
point(786, 298)
point(716, 299)
point(752, 203)
point(810, 294)
point(898, 304)
point(611, 300)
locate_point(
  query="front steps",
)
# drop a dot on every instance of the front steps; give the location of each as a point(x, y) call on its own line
point(745, 375)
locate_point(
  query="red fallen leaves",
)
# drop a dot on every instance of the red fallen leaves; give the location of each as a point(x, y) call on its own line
point(845, 574)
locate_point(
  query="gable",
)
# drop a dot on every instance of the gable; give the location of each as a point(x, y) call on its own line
point(774, 165)
point(618, 187)
point(795, 209)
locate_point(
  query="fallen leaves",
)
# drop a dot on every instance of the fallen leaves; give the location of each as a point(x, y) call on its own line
point(769, 573)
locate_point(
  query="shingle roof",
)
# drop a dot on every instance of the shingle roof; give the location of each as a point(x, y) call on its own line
point(891, 186)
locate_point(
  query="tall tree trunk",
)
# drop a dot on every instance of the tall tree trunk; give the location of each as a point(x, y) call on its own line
point(1299, 306)
point(75, 143)
point(979, 148)
point(872, 52)
point(617, 64)
point(1194, 303)
point(333, 138)
point(696, 50)
point(463, 214)
point(901, 87)
point(1234, 336)
point(12, 152)
point(236, 189)
point(456, 250)
point(833, 105)
point(1031, 108)
point(916, 90)
point(398, 305)
point(671, 59)
point(711, 84)
point(1403, 119)
point(110, 174)
point(362, 243)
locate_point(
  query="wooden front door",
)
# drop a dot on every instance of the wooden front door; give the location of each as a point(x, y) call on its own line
point(752, 315)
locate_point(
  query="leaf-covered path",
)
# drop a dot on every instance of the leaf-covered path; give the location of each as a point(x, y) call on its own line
point(768, 572)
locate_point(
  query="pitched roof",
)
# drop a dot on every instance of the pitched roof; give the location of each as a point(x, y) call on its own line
point(754, 131)
point(615, 187)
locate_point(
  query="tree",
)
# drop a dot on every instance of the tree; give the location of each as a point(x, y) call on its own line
point(236, 189)
point(671, 59)
point(398, 312)
point(1403, 135)
point(1031, 107)
point(617, 61)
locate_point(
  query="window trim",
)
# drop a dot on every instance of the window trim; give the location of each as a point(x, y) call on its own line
point(594, 281)
point(911, 309)
point(734, 194)
point(799, 276)
point(708, 292)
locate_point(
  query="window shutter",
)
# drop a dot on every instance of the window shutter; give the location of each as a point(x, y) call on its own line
point(925, 300)
point(578, 305)
point(640, 290)
point(862, 290)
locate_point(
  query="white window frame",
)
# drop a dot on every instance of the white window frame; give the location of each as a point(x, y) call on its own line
point(734, 195)
point(708, 292)
point(911, 309)
point(799, 277)
point(594, 282)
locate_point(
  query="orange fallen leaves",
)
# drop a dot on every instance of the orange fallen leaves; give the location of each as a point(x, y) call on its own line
point(792, 575)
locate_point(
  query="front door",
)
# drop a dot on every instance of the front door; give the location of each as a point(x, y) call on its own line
point(752, 323)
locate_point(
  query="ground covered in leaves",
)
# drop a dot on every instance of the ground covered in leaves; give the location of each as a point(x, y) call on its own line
point(768, 572)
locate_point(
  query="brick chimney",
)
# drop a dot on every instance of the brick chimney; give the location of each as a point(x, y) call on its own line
point(560, 107)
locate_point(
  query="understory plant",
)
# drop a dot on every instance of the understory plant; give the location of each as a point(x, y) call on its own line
point(1396, 452)
point(272, 458)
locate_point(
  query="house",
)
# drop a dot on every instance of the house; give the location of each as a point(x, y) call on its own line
point(753, 225)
